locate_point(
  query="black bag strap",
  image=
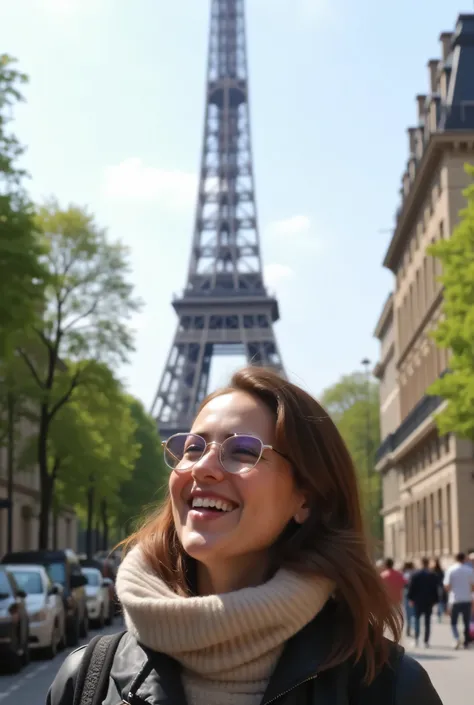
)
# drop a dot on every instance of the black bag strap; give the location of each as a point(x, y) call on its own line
point(93, 677)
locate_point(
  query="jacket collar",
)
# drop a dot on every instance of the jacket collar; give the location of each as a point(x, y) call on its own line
point(157, 680)
point(302, 656)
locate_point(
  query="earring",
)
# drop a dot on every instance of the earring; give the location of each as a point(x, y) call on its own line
point(297, 519)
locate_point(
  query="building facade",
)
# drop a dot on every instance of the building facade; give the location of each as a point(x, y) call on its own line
point(26, 505)
point(427, 480)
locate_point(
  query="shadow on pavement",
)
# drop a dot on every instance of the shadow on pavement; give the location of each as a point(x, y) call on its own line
point(430, 657)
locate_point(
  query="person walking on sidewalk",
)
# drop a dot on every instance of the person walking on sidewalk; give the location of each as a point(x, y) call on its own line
point(442, 597)
point(394, 582)
point(423, 596)
point(459, 581)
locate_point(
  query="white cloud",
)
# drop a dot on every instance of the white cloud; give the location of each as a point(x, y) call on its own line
point(275, 273)
point(296, 226)
point(296, 233)
point(132, 180)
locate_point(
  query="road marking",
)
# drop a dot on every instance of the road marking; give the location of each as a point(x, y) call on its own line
point(40, 668)
point(22, 680)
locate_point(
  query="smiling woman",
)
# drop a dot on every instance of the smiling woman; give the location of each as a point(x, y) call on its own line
point(253, 583)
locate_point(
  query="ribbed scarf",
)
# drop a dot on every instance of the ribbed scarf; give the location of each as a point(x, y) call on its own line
point(227, 644)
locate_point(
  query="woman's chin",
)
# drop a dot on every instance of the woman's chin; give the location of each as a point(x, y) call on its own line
point(199, 546)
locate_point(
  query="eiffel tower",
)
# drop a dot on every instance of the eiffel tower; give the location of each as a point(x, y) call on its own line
point(225, 307)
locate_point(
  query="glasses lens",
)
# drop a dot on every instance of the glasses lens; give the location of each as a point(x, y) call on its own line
point(241, 453)
point(183, 450)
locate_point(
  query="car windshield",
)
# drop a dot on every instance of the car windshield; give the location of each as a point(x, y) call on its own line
point(93, 578)
point(57, 573)
point(29, 581)
point(5, 588)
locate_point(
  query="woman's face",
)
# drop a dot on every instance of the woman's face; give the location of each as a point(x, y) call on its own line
point(264, 499)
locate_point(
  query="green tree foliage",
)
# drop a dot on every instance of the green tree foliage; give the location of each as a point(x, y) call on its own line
point(85, 321)
point(22, 274)
point(94, 447)
point(455, 330)
point(353, 404)
point(147, 484)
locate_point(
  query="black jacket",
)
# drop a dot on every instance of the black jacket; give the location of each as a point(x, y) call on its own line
point(423, 589)
point(140, 676)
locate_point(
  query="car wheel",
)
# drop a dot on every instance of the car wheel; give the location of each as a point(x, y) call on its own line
point(26, 657)
point(52, 650)
point(73, 633)
point(84, 629)
point(62, 638)
point(17, 654)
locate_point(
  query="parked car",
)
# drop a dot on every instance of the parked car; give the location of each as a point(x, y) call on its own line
point(63, 568)
point(45, 607)
point(108, 570)
point(98, 598)
point(14, 624)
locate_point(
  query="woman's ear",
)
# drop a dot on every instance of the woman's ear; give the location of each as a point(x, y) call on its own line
point(303, 513)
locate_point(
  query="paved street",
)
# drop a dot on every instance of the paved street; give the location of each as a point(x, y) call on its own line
point(451, 672)
point(30, 686)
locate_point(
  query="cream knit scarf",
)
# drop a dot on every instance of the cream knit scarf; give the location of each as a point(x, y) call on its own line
point(229, 644)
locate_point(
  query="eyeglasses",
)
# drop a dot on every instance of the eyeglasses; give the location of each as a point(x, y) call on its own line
point(237, 454)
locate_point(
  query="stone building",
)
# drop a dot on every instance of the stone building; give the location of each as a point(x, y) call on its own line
point(428, 480)
point(26, 496)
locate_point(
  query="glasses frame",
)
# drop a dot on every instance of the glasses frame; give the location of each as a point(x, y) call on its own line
point(264, 447)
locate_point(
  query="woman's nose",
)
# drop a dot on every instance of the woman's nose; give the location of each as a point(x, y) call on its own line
point(209, 465)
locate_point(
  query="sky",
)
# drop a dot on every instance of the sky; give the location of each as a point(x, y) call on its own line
point(113, 120)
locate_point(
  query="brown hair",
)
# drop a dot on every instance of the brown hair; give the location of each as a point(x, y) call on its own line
point(332, 542)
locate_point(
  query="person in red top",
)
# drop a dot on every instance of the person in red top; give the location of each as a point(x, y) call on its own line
point(394, 581)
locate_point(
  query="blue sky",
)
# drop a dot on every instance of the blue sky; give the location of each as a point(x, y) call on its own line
point(114, 119)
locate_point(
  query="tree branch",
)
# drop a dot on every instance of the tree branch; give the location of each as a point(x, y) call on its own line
point(90, 310)
point(65, 397)
point(54, 472)
point(32, 369)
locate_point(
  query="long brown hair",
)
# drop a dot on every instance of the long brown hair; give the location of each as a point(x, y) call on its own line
point(332, 542)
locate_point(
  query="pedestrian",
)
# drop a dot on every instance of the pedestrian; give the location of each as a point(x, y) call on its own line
point(394, 582)
point(459, 582)
point(407, 571)
point(423, 596)
point(253, 582)
point(442, 596)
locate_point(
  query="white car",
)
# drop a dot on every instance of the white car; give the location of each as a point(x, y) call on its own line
point(97, 595)
point(44, 605)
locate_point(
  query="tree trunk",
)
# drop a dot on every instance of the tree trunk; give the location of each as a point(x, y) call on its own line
point(46, 480)
point(90, 519)
point(105, 526)
point(10, 467)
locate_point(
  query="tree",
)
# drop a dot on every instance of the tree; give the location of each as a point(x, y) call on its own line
point(353, 404)
point(94, 448)
point(22, 273)
point(85, 321)
point(455, 330)
point(147, 484)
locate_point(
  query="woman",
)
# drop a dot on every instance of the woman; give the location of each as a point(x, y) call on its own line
point(408, 570)
point(253, 584)
point(443, 597)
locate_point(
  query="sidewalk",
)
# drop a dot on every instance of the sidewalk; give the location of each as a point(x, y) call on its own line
point(450, 671)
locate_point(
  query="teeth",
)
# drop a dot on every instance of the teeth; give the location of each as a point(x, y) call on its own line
point(217, 503)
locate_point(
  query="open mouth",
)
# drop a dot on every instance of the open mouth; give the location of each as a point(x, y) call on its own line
point(212, 506)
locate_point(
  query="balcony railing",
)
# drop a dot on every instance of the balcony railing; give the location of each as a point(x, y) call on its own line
point(415, 418)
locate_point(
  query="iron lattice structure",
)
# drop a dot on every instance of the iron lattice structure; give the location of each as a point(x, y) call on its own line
point(225, 307)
